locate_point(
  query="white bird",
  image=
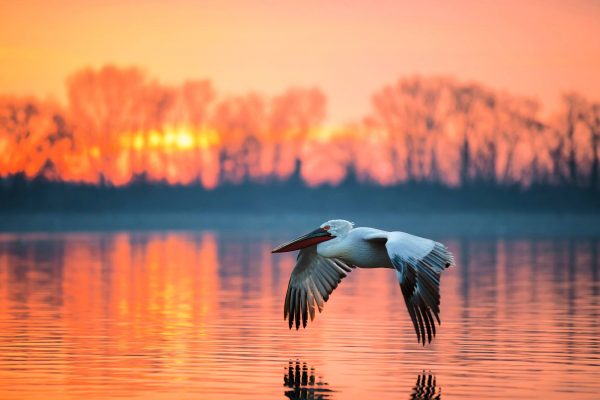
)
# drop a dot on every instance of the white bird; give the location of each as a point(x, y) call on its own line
point(330, 252)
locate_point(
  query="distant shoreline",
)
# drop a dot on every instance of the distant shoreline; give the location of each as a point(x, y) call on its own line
point(428, 224)
point(22, 196)
point(422, 208)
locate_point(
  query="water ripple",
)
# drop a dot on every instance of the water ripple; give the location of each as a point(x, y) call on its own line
point(199, 315)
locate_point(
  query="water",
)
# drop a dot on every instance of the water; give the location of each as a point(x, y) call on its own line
point(198, 315)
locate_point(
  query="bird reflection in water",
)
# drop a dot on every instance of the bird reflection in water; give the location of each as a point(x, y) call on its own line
point(426, 388)
point(302, 384)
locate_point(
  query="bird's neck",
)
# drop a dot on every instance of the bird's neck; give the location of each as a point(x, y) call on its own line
point(331, 248)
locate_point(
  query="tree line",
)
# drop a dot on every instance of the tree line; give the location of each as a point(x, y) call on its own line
point(119, 126)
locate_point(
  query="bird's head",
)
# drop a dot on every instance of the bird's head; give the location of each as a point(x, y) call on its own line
point(327, 231)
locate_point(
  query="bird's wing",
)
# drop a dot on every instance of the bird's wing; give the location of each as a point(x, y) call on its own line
point(312, 281)
point(419, 263)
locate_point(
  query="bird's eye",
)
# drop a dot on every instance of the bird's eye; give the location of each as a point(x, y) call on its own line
point(326, 227)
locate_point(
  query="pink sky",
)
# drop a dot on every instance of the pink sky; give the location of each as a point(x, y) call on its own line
point(347, 48)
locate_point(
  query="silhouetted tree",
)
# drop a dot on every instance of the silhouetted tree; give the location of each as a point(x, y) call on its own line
point(121, 126)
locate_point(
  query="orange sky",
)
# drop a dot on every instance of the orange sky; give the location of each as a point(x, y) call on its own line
point(348, 48)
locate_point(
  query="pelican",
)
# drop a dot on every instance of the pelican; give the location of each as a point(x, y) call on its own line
point(333, 250)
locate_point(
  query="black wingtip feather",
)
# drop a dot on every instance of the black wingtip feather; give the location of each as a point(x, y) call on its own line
point(304, 309)
point(298, 309)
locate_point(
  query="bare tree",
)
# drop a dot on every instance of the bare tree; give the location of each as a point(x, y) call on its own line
point(590, 115)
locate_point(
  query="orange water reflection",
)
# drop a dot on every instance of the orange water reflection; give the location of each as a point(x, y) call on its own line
point(199, 315)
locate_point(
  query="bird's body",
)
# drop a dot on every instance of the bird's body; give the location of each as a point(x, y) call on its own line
point(354, 250)
point(330, 252)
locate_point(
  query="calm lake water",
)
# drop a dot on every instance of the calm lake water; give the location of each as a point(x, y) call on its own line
point(199, 315)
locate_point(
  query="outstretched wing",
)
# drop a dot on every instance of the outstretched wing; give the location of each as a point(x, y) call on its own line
point(312, 281)
point(419, 263)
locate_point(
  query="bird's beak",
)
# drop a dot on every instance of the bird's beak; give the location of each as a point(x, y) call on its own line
point(310, 239)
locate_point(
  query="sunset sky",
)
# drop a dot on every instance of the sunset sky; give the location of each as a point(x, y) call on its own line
point(347, 48)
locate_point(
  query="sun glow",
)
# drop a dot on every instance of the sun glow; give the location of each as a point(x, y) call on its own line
point(180, 138)
point(95, 152)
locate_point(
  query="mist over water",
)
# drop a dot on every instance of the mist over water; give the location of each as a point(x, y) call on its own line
point(199, 314)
